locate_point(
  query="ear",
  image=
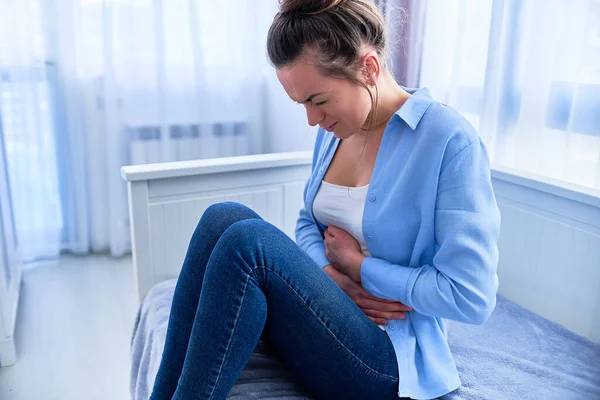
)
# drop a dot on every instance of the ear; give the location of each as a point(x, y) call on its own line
point(371, 67)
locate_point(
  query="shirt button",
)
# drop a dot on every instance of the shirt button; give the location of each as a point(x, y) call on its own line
point(372, 197)
point(392, 326)
point(370, 237)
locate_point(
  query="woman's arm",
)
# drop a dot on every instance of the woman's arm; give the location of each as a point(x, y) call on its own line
point(309, 239)
point(308, 236)
point(461, 282)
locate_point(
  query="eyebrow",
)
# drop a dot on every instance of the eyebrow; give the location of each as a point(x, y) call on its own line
point(309, 98)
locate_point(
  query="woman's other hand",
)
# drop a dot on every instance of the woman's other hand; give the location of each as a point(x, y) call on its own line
point(378, 310)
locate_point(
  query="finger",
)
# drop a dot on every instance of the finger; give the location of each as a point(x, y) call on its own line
point(336, 266)
point(383, 300)
point(402, 306)
point(378, 321)
point(383, 314)
point(382, 306)
point(335, 231)
point(395, 306)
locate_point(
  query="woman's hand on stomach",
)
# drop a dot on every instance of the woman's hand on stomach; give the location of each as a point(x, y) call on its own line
point(378, 310)
point(344, 252)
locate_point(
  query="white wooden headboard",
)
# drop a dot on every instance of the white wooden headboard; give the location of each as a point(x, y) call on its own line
point(549, 241)
point(167, 200)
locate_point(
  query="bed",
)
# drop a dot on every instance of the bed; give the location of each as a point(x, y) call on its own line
point(541, 342)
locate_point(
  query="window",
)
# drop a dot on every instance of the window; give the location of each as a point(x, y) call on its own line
point(526, 74)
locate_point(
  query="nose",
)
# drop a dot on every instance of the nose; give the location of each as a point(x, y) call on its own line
point(314, 115)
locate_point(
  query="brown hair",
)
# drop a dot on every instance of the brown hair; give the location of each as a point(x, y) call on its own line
point(333, 31)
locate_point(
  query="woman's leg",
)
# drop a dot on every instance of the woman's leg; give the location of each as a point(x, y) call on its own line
point(324, 338)
point(215, 220)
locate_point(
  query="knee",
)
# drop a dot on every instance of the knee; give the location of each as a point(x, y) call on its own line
point(220, 210)
point(220, 216)
point(255, 242)
point(250, 232)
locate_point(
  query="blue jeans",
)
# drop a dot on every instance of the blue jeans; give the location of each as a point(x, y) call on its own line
point(243, 278)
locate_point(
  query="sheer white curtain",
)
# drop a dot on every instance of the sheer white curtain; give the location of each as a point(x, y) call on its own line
point(405, 21)
point(116, 82)
point(527, 75)
point(26, 134)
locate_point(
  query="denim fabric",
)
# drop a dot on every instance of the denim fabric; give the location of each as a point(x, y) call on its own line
point(243, 278)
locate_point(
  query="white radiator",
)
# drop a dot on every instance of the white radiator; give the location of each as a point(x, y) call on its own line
point(186, 141)
point(147, 139)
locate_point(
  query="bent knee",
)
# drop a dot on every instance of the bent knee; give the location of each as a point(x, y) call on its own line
point(222, 209)
point(221, 216)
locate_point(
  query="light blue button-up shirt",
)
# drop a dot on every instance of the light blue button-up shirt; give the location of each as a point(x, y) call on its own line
point(431, 223)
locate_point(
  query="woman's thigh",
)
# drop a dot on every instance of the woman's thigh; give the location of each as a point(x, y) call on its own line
point(325, 340)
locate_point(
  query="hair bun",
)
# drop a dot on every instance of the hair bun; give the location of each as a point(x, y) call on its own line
point(310, 7)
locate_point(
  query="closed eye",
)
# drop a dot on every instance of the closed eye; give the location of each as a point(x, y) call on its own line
point(320, 103)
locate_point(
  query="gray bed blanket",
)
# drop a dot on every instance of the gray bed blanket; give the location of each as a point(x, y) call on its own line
point(516, 354)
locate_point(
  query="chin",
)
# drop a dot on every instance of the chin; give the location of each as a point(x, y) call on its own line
point(340, 134)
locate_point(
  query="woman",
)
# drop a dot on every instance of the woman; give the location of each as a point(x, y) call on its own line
point(399, 232)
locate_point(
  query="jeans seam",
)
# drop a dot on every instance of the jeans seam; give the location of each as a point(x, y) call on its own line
point(325, 326)
point(228, 346)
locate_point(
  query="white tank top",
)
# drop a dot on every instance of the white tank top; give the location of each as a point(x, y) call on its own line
point(343, 207)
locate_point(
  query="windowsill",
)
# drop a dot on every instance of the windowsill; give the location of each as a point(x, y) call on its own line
point(582, 194)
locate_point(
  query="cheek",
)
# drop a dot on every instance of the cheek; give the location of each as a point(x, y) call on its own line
point(366, 105)
point(355, 110)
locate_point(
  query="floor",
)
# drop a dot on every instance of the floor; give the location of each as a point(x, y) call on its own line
point(73, 330)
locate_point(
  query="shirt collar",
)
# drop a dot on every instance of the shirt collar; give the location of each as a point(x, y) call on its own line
point(414, 108)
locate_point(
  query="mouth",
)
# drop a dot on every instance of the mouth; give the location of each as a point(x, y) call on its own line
point(331, 127)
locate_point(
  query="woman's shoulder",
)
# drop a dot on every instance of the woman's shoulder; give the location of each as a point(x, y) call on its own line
point(447, 129)
point(445, 123)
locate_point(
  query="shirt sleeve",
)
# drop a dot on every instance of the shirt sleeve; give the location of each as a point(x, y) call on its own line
point(461, 282)
point(308, 236)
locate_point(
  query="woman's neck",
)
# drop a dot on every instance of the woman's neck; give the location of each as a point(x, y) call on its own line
point(390, 97)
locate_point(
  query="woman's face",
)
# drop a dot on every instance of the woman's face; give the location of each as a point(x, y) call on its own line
point(336, 105)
